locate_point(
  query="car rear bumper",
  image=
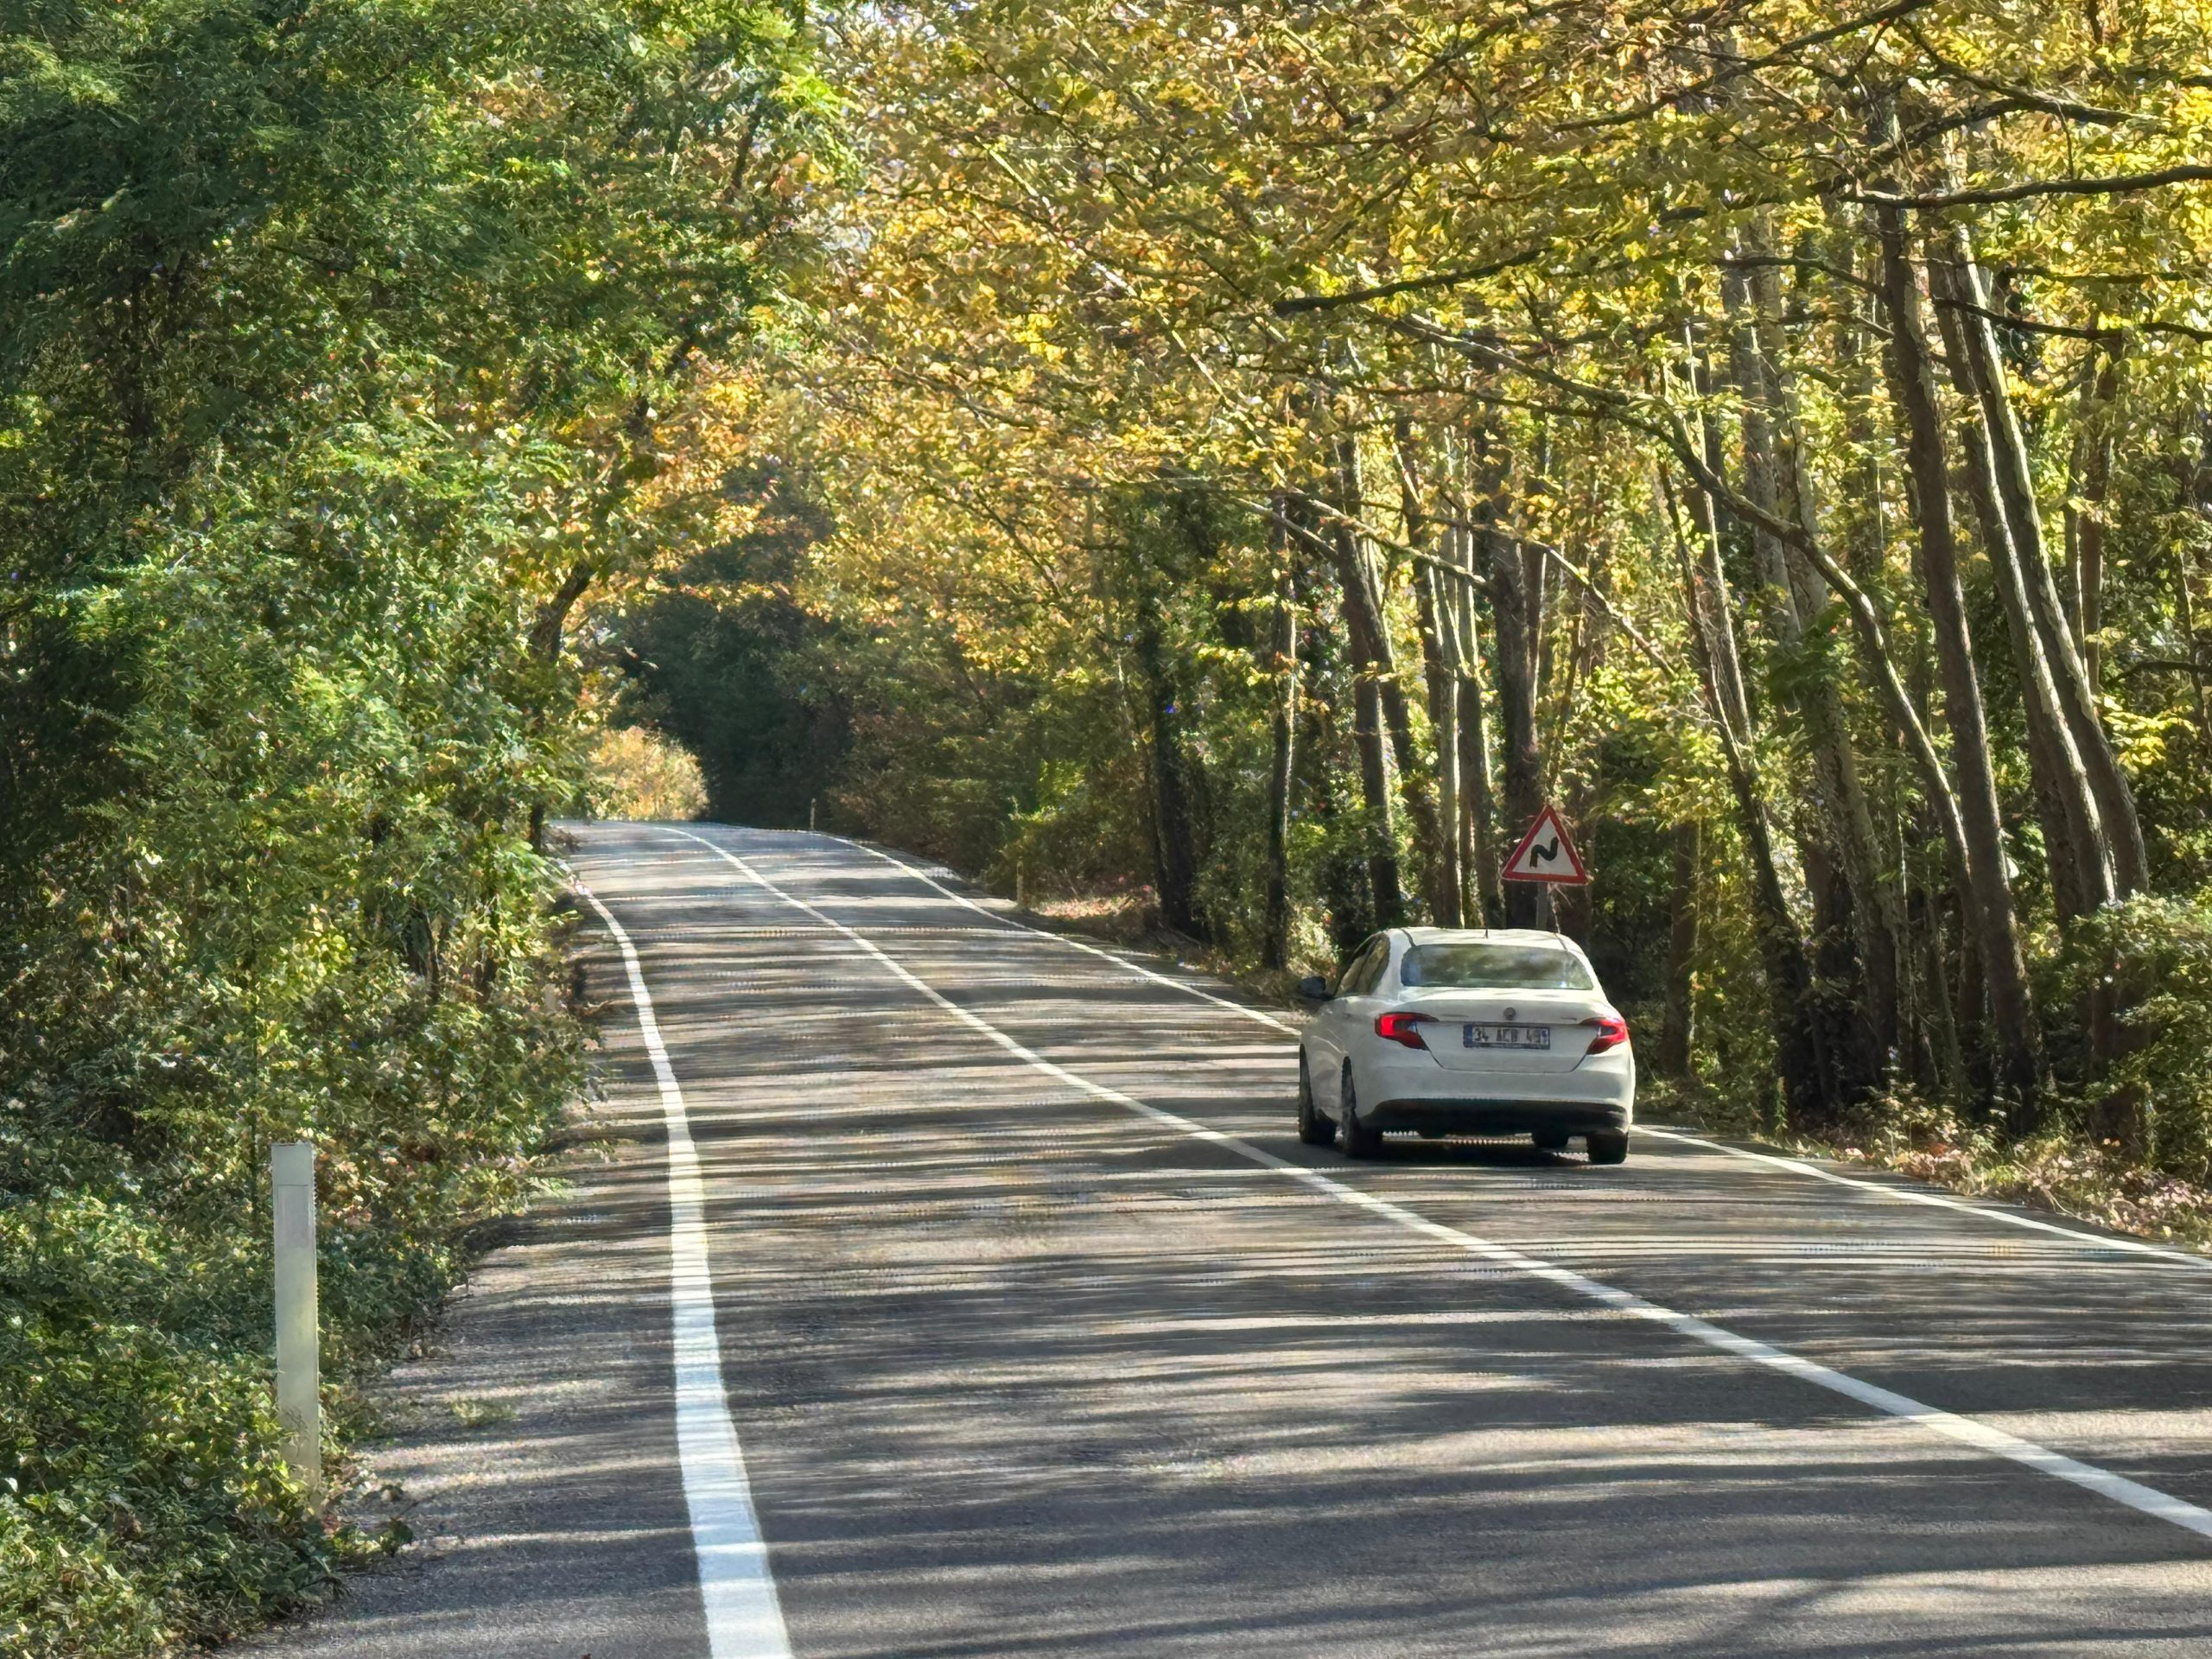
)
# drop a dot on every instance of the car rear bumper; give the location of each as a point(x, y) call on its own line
point(1416, 1093)
point(1496, 1116)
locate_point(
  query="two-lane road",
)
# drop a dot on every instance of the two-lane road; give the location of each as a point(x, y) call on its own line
point(1040, 1332)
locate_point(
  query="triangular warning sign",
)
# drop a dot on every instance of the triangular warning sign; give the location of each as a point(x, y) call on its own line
point(1546, 853)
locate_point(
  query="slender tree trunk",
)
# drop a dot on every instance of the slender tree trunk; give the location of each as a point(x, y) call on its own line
point(2185, 609)
point(1873, 641)
point(1478, 816)
point(1370, 633)
point(2008, 446)
point(1479, 819)
point(1527, 903)
point(2070, 833)
point(2052, 752)
point(1347, 887)
point(1677, 1030)
point(1985, 892)
point(1364, 627)
point(1808, 1090)
point(1851, 902)
point(1275, 928)
point(1727, 665)
point(2088, 523)
point(1440, 668)
point(1174, 825)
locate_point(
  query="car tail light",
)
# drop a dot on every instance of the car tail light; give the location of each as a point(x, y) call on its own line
point(1401, 1028)
point(1612, 1032)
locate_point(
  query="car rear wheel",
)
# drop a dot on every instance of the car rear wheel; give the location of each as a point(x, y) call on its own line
point(1610, 1147)
point(1360, 1141)
point(1313, 1129)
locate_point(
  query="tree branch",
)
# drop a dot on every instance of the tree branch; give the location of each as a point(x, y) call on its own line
point(2118, 184)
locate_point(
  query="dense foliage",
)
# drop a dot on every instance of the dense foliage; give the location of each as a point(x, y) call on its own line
point(1266, 453)
point(332, 336)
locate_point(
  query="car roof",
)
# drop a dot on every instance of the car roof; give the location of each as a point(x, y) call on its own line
point(1491, 935)
point(1542, 938)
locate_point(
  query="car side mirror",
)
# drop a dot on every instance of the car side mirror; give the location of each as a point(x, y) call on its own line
point(1314, 988)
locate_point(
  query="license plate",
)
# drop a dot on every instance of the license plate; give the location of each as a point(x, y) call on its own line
point(1508, 1037)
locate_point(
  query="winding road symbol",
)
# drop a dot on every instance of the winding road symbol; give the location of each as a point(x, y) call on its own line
point(1547, 853)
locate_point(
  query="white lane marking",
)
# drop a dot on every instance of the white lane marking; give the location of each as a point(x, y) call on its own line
point(1967, 1431)
point(1138, 968)
point(744, 1620)
point(1796, 1165)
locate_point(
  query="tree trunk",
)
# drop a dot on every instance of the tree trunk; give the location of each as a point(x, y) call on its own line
point(1808, 1087)
point(2008, 447)
point(1478, 819)
point(1527, 903)
point(1275, 927)
point(550, 627)
point(1364, 628)
point(1175, 854)
point(2088, 523)
point(1677, 1030)
point(1727, 665)
point(1851, 901)
point(2060, 774)
point(1440, 669)
point(1347, 887)
point(1985, 893)
point(1874, 649)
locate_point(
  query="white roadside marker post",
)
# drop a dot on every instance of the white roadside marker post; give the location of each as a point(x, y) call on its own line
point(299, 1365)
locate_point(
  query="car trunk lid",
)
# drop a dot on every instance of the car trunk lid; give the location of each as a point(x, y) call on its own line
point(1515, 1032)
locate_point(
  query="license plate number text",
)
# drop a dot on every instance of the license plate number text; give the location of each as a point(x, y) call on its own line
point(1508, 1037)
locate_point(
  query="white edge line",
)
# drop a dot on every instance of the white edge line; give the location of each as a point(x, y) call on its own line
point(1967, 1431)
point(1904, 1194)
point(1895, 1190)
point(744, 1620)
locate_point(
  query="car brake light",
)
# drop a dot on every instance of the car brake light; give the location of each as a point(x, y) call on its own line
point(1612, 1032)
point(1401, 1028)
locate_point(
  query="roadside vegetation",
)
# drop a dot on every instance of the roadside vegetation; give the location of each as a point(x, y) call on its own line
point(334, 336)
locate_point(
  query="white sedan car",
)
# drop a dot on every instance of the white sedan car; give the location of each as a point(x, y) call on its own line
point(1459, 1031)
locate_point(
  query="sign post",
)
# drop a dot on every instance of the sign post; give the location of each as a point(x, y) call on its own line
point(299, 1362)
point(1547, 853)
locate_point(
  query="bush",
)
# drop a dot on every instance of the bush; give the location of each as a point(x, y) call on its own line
point(2154, 1103)
point(638, 773)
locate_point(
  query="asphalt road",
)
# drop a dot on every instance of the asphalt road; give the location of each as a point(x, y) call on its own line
point(1040, 1333)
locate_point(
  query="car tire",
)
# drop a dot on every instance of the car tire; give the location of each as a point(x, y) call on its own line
point(1313, 1129)
point(1360, 1141)
point(1609, 1146)
point(1550, 1140)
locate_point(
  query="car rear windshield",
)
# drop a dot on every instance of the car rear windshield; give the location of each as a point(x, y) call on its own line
point(1477, 966)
